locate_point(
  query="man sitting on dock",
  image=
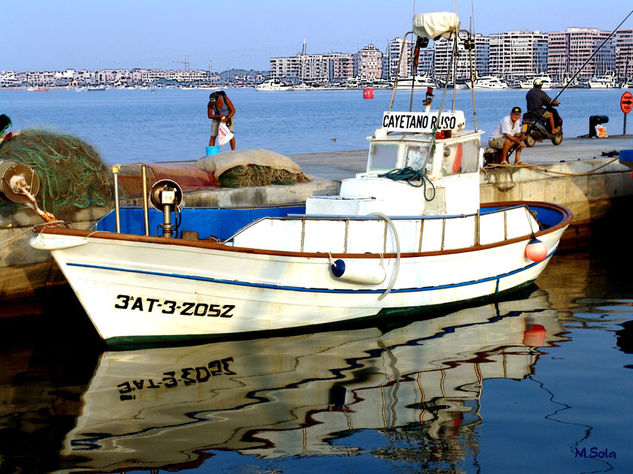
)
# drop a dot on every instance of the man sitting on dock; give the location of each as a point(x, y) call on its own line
point(508, 134)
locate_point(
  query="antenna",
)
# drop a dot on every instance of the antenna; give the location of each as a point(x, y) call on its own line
point(185, 63)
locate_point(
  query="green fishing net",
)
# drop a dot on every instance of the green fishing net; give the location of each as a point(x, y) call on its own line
point(257, 175)
point(72, 174)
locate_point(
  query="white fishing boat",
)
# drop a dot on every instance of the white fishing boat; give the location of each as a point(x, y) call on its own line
point(273, 85)
point(407, 233)
point(606, 81)
point(489, 82)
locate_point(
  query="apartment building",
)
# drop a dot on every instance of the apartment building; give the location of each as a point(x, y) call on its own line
point(340, 66)
point(624, 53)
point(392, 58)
point(517, 54)
point(570, 52)
point(444, 52)
point(286, 67)
point(153, 76)
point(313, 68)
point(368, 63)
point(9, 79)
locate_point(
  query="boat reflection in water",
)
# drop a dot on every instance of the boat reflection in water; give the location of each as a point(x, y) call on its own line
point(286, 396)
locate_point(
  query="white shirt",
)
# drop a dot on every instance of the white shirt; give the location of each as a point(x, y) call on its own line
point(506, 126)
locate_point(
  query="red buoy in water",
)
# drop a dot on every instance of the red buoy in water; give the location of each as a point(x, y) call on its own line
point(536, 250)
point(368, 93)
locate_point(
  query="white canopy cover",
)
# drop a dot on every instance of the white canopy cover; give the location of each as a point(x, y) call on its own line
point(434, 25)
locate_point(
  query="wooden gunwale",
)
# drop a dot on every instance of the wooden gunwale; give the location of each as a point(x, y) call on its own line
point(205, 244)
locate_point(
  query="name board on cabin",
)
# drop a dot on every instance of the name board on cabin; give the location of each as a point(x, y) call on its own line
point(422, 121)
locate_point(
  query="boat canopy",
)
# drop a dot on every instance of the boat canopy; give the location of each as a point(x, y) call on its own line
point(435, 25)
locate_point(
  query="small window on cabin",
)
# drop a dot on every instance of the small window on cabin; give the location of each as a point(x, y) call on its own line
point(416, 157)
point(461, 158)
point(383, 156)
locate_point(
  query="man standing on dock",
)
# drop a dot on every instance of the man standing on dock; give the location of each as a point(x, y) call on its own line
point(221, 110)
point(508, 134)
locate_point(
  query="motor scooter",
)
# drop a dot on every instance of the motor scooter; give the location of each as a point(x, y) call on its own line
point(536, 128)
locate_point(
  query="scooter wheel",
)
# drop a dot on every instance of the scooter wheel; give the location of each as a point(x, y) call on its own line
point(557, 139)
point(529, 141)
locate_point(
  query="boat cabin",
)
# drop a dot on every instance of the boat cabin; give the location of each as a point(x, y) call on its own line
point(419, 163)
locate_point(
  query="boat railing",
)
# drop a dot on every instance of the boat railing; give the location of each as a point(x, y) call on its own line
point(346, 234)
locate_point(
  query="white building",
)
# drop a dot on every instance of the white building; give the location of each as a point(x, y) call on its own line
point(286, 67)
point(392, 58)
point(444, 52)
point(313, 68)
point(517, 54)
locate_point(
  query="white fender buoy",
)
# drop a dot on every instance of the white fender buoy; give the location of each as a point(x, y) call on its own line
point(355, 272)
point(536, 250)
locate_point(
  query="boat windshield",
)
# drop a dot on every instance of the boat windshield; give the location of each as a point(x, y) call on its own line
point(416, 157)
point(383, 156)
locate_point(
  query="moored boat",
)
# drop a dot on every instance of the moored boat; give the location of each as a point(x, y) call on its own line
point(489, 82)
point(546, 82)
point(273, 85)
point(408, 233)
point(605, 81)
point(417, 82)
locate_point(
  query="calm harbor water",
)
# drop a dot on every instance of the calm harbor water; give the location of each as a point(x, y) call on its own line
point(540, 382)
point(138, 125)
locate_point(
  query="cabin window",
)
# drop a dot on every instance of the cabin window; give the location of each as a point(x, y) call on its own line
point(461, 158)
point(383, 156)
point(416, 157)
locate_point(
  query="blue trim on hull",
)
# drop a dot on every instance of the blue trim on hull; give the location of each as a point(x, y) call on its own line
point(313, 290)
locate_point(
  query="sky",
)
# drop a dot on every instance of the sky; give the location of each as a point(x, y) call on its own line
point(92, 34)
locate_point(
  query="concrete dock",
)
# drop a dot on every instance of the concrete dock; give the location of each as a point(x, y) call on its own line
point(581, 173)
point(345, 164)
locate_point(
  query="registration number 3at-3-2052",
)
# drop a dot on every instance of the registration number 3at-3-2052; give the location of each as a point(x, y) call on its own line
point(182, 308)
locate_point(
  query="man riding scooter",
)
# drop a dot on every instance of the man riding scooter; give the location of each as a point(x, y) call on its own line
point(538, 103)
point(541, 120)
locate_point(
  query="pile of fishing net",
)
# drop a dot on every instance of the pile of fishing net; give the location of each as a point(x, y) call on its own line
point(254, 167)
point(72, 174)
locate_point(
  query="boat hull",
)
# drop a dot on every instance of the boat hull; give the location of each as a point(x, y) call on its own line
point(137, 289)
point(260, 396)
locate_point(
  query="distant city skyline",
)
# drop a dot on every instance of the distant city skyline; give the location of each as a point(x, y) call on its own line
point(79, 34)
